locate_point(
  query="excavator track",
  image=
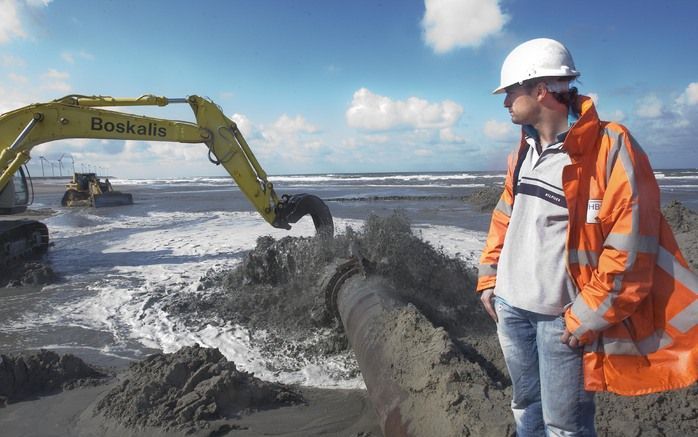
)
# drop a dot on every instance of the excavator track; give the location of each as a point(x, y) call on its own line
point(20, 241)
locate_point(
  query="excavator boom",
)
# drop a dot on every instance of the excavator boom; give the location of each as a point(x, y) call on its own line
point(77, 116)
point(84, 117)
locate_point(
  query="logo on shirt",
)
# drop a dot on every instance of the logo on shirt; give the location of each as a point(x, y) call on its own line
point(593, 208)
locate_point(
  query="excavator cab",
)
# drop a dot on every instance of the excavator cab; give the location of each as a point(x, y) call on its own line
point(15, 197)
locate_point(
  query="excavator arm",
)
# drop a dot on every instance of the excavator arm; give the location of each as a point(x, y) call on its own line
point(77, 116)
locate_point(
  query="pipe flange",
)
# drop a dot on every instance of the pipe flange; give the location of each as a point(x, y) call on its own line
point(333, 280)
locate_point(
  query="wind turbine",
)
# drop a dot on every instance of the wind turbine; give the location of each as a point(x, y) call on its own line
point(60, 165)
point(42, 159)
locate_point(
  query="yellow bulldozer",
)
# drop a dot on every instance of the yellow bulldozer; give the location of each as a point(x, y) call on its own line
point(86, 189)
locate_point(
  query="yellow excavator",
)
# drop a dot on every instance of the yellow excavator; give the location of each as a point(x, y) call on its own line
point(77, 116)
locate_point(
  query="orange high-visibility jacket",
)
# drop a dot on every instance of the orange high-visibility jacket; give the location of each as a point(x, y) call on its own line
point(637, 306)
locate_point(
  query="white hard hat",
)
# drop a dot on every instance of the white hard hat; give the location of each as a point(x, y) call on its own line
point(540, 57)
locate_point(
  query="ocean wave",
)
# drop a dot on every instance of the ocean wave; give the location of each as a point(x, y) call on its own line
point(426, 177)
point(363, 179)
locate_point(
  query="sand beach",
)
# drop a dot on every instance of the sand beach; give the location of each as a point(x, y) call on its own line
point(443, 353)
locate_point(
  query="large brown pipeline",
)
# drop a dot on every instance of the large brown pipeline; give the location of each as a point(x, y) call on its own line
point(418, 381)
point(363, 304)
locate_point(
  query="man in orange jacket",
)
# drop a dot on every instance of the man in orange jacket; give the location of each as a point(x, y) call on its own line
point(580, 270)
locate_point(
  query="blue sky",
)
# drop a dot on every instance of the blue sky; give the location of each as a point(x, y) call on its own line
point(322, 86)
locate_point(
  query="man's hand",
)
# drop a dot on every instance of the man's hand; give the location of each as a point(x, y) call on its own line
point(570, 340)
point(487, 298)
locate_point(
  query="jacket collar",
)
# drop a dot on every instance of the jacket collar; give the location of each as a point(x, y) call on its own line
point(581, 137)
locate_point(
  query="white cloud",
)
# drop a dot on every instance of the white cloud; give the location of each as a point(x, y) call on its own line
point(500, 130)
point(53, 83)
point(54, 74)
point(616, 115)
point(376, 139)
point(449, 24)
point(54, 80)
point(70, 57)
point(175, 152)
point(288, 125)
point(10, 21)
point(689, 96)
point(649, 107)
point(10, 24)
point(666, 130)
point(423, 152)
point(17, 78)
point(448, 136)
point(604, 114)
point(38, 3)
point(288, 139)
point(375, 112)
point(350, 143)
point(244, 124)
point(11, 61)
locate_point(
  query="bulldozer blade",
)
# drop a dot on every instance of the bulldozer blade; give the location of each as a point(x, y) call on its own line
point(112, 198)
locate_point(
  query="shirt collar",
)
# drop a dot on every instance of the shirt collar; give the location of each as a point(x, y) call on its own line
point(533, 139)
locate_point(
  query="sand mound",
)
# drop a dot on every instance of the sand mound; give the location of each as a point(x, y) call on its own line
point(29, 375)
point(672, 413)
point(486, 198)
point(448, 394)
point(276, 289)
point(684, 223)
point(188, 391)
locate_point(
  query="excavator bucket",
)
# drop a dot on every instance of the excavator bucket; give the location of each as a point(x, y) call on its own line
point(292, 208)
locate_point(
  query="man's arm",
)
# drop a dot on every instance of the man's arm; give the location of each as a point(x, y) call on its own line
point(487, 270)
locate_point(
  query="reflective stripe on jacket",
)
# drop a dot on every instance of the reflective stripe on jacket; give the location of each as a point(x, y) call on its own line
point(637, 307)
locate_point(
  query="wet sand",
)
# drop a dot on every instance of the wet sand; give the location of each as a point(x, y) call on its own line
point(70, 413)
point(451, 365)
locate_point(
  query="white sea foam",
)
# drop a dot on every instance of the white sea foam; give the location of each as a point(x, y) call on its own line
point(152, 259)
point(174, 250)
point(455, 242)
point(363, 178)
point(342, 179)
point(677, 174)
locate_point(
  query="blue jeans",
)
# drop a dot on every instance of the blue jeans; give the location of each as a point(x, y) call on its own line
point(548, 384)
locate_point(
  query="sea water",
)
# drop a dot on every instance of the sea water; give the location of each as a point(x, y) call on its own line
point(119, 267)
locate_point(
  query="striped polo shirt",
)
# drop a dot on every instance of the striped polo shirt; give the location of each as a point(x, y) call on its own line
point(532, 273)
